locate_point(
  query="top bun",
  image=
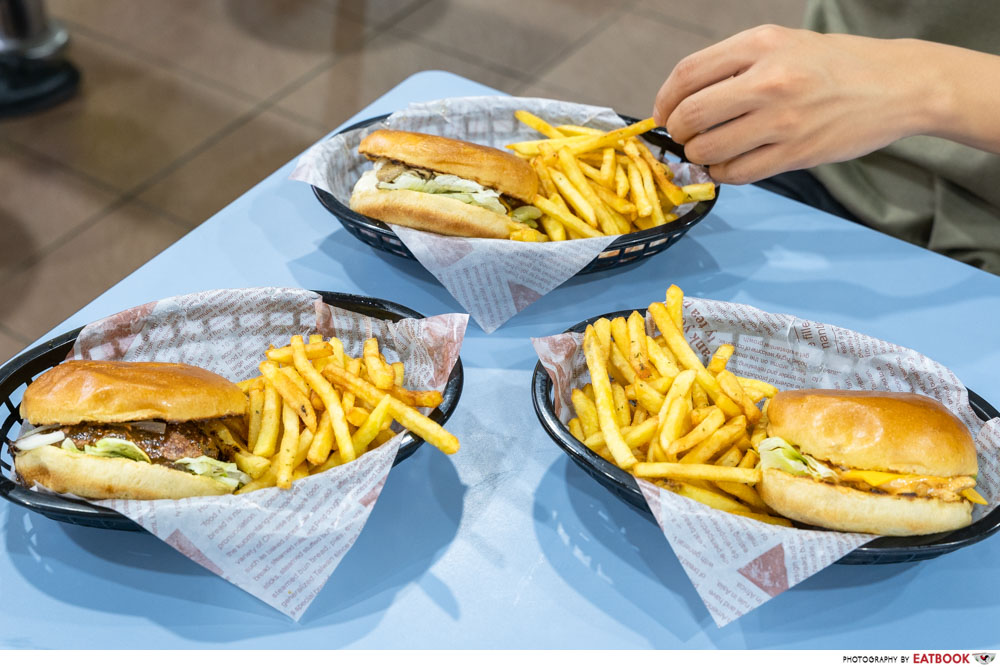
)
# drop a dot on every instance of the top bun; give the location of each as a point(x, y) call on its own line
point(121, 391)
point(866, 430)
point(494, 168)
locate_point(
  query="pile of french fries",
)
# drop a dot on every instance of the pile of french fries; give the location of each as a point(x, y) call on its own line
point(314, 407)
point(596, 183)
point(653, 408)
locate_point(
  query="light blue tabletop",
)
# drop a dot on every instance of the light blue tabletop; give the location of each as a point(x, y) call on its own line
point(507, 543)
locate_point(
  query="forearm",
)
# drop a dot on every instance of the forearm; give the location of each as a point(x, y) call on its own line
point(965, 94)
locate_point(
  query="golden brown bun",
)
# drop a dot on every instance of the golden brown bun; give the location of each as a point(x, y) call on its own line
point(893, 432)
point(98, 477)
point(120, 391)
point(843, 508)
point(494, 168)
point(431, 213)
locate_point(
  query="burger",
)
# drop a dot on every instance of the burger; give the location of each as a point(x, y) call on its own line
point(447, 186)
point(869, 462)
point(114, 429)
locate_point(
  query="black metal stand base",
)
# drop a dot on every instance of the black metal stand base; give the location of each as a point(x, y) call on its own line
point(27, 86)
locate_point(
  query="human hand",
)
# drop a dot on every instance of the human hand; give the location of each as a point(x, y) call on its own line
point(774, 99)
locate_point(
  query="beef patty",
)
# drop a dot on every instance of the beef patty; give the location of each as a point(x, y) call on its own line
point(177, 441)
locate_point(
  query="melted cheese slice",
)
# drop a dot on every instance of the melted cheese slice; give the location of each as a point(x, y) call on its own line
point(903, 483)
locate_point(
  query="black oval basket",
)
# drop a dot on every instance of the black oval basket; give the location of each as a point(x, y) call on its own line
point(879, 551)
point(19, 372)
point(624, 250)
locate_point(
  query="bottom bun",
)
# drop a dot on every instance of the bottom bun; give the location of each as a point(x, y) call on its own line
point(98, 477)
point(844, 508)
point(431, 213)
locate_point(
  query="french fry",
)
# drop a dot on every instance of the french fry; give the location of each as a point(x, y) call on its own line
point(571, 222)
point(620, 367)
point(648, 185)
point(674, 417)
point(717, 441)
point(315, 350)
point(537, 124)
point(763, 388)
point(398, 372)
point(720, 358)
point(256, 414)
point(700, 471)
point(576, 429)
point(380, 373)
point(639, 415)
point(731, 386)
point(675, 306)
point(608, 164)
point(664, 364)
point(555, 230)
point(619, 336)
point(572, 169)
point(247, 385)
point(578, 130)
point(330, 398)
point(291, 395)
point(255, 466)
point(407, 416)
point(638, 355)
point(270, 423)
point(698, 413)
point(322, 442)
point(611, 138)
point(663, 177)
point(623, 414)
point(634, 436)
point(764, 518)
point(702, 431)
point(647, 397)
point(372, 425)
point(643, 207)
point(586, 411)
point(679, 346)
point(532, 148)
point(528, 235)
point(544, 178)
point(285, 461)
point(616, 203)
point(575, 198)
point(699, 397)
point(621, 452)
point(706, 496)
point(602, 327)
point(699, 191)
point(622, 184)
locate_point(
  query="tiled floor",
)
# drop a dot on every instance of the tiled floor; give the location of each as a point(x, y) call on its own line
point(187, 103)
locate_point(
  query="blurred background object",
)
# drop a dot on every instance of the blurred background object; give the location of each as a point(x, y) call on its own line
point(186, 104)
point(33, 73)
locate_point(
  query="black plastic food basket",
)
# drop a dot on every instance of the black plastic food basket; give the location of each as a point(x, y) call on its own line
point(20, 371)
point(879, 551)
point(624, 250)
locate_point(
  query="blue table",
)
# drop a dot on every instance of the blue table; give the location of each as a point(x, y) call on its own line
point(507, 543)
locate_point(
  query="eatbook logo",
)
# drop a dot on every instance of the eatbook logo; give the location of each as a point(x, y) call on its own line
point(984, 658)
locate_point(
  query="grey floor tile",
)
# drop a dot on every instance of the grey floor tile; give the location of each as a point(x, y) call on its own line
point(256, 47)
point(522, 36)
point(624, 65)
point(10, 346)
point(355, 80)
point(38, 297)
point(130, 120)
point(41, 203)
point(719, 19)
point(236, 163)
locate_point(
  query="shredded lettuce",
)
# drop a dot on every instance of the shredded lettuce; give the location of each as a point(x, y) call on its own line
point(227, 473)
point(116, 447)
point(448, 185)
point(776, 453)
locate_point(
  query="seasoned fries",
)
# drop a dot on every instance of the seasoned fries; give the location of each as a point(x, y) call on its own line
point(654, 408)
point(595, 183)
point(314, 408)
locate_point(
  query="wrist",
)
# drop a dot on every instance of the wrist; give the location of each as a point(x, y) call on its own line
point(929, 98)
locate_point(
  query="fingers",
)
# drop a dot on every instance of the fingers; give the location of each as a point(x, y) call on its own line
point(701, 70)
point(708, 108)
point(755, 165)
